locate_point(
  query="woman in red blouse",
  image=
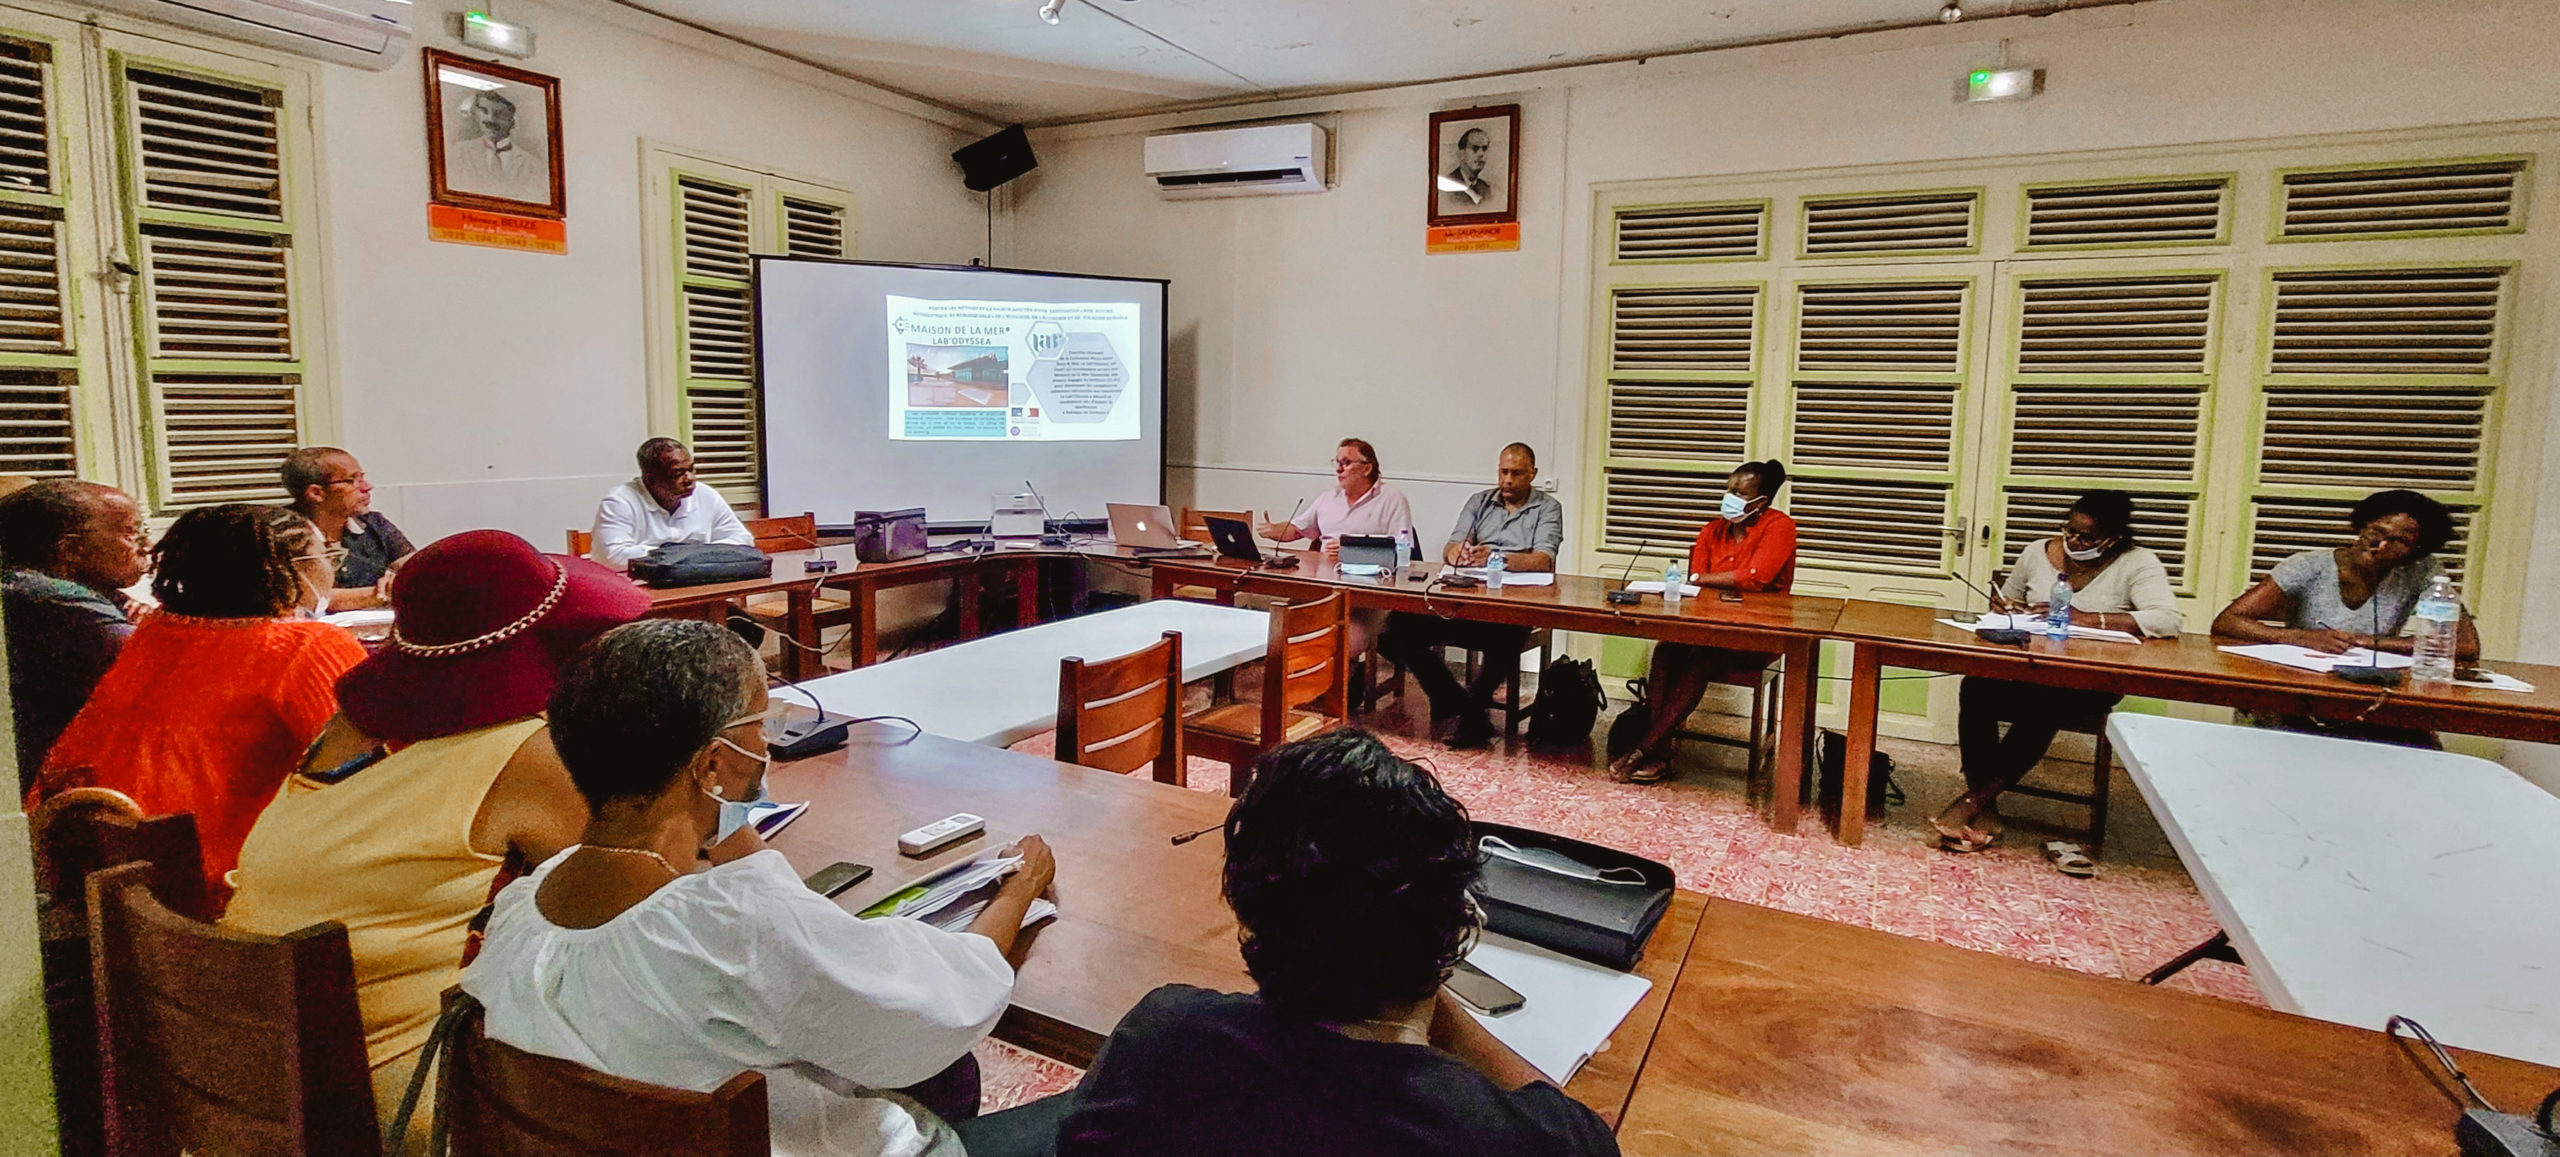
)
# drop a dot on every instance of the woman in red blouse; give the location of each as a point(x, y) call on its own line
point(1749, 547)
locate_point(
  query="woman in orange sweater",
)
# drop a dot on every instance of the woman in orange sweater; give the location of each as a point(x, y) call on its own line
point(217, 693)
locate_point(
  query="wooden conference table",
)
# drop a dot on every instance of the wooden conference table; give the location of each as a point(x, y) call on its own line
point(861, 583)
point(1764, 1032)
point(2190, 668)
point(1791, 626)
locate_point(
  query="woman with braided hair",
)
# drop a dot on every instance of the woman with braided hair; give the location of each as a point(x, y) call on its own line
point(217, 693)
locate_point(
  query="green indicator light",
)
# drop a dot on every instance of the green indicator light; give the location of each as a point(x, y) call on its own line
point(483, 18)
point(1982, 78)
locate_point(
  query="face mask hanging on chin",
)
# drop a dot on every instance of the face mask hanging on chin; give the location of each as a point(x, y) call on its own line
point(2091, 555)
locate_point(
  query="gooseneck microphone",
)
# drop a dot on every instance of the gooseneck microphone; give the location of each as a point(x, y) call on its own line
point(2372, 674)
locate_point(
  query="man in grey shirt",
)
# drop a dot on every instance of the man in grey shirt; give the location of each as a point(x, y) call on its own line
point(1528, 528)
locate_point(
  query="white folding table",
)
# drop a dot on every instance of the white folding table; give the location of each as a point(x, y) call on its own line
point(1004, 688)
point(2360, 880)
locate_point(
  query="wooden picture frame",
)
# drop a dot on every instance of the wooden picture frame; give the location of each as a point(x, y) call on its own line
point(1475, 182)
point(470, 103)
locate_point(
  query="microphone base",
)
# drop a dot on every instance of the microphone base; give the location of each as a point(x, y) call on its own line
point(1622, 598)
point(2003, 638)
point(807, 738)
point(2372, 676)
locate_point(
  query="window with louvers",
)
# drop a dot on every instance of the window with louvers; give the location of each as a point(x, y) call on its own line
point(1878, 370)
point(715, 347)
point(2375, 379)
point(2108, 389)
point(215, 305)
point(39, 374)
point(812, 228)
point(1680, 370)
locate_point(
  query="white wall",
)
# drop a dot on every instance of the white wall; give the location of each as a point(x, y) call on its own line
point(484, 387)
point(1312, 317)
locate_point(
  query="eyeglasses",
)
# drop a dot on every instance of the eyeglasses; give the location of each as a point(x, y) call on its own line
point(356, 480)
point(1347, 463)
point(335, 556)
point(2075, 538)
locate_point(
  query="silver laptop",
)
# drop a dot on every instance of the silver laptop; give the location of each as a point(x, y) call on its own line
point(1145, 527)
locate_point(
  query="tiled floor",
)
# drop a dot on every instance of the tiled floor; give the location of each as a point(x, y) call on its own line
point(2140, 910)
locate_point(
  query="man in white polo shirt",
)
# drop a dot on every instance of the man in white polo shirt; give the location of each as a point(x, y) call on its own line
point(662, 505)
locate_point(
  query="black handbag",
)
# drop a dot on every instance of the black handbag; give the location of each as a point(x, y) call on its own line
point(1605, 921)
point(1569, 702)
point(693, 564)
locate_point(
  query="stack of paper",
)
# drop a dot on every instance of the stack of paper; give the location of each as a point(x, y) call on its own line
point(2306, 659)
point(2034, 625)
point(359, 620)
point(1510, 578)
point(952, 898)
point(1569, 1009)
point(1654, 587)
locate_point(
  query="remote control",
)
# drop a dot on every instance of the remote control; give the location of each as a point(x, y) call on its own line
point(940, 832)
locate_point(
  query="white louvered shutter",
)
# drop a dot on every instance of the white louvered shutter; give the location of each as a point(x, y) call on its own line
point(215, 307)
point(813, 229)
point(2379, 202)
point(715, 348)
point(1906, 223)
point(2189, 212)
point(1878, 377)
point(2108, 383)
point(1680, 372)
point(2375, 379)
point(1692, 232)
point(39, 374)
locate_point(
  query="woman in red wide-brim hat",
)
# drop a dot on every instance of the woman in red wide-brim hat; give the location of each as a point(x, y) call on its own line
point(437, 773)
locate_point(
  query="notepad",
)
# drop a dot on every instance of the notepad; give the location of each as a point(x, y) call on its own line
point(1655, 587)
point(1569, 1006)
point(952, 898)
point(2034, 625)
point(2306, 659)
point(1510, 578)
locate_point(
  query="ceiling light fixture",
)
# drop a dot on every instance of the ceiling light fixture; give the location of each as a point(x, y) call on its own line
point(1049, 11)
point(1953, 12)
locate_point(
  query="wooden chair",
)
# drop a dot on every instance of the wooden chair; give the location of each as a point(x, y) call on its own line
point(2095, 799)
point(1305, 690)
point(1125, 713)
point(1763, 685)
point(1540, 639)
point(582, 543)
point(501, 1101)
point(78, 833)
point(218, 1041)
point(799, 532)
point(1195, 521)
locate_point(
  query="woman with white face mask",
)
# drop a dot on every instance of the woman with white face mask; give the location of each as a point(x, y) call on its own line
point(216, 693)
point(2115, 586)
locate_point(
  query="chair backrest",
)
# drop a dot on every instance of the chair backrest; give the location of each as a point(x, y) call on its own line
point(582, 543)
point(1195, 521)
point(1305, 664)
point(501, 1101)
point(1125, 713)
point(219, 1041)
point(88, 829)
point(798, 532)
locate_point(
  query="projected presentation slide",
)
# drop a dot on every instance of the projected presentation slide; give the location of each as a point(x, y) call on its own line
point(1039, 371)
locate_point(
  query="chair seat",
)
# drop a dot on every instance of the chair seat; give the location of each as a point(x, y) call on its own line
point(777, 604)
point(1243, 721)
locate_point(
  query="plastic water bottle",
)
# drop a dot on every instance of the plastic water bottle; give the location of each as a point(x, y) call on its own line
point(1404, 552)
point(2439, 616)
point(2057, 615)
point(1493, 566)
point(1672, 581)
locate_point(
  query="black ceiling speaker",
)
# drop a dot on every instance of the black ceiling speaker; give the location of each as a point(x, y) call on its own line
point(995, 160)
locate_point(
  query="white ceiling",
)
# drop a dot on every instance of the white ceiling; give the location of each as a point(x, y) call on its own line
point(995, 59)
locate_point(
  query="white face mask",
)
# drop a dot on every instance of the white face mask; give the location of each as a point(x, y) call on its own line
point(2090, 555)
point(1549, 860)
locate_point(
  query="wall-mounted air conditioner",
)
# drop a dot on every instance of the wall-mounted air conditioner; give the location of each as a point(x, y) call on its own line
point(368, 34)
point(1238, 162)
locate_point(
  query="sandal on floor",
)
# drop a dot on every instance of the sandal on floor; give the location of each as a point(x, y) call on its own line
point(1966, 845)
point(1650, 770)
point(2070, 859)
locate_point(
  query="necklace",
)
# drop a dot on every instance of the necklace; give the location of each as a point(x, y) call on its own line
point(1397, 1031)
point(662, 860)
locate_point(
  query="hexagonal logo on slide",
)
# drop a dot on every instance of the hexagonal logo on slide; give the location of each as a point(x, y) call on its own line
point(1083, 383)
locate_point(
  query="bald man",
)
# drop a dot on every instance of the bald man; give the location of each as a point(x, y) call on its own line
point(1526, 527)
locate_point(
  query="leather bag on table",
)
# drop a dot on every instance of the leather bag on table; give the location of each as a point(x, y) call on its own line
point(1605, 921)
point(693, 564)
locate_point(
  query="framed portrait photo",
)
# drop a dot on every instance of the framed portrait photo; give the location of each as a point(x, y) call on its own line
point(1475, 165)
point(493, 137)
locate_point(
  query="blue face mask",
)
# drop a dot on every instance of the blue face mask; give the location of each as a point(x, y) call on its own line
point(734, 813)
point(1733, 507)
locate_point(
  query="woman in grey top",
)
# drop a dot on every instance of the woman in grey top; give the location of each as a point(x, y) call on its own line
point(2357, 594)
point(2115, 586)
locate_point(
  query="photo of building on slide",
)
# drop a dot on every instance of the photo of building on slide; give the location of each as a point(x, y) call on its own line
point(957, 377)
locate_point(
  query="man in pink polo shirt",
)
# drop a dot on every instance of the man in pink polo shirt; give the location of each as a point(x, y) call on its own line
point(1359, 503)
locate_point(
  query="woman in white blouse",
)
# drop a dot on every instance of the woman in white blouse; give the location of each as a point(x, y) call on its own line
point(671, 946)
point(2116, 586)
